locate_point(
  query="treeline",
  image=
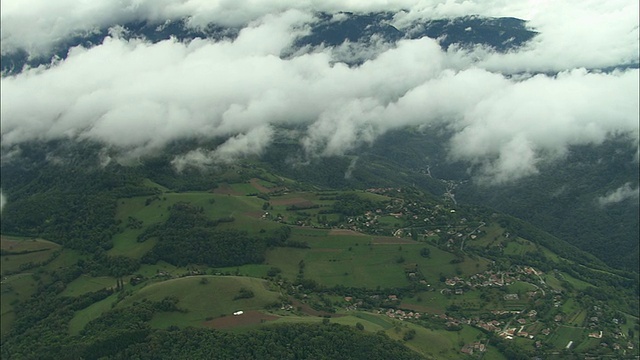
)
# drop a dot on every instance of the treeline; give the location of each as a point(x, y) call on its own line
point(286, 341)
point(61, 192)
point(563, 200)
point(352, 205)
point(112, 332)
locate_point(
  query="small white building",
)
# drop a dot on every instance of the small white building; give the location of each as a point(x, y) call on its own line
point(239, 312)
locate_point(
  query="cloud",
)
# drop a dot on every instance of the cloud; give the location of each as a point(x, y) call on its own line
point(3, 200)
point(352, 166)
point(136, 97)
point(623, 193)
point(252, 143)
point(572, 33)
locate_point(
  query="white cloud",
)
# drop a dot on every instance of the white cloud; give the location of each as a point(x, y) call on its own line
point(137, 96)
point(3, 200)
point(623, 193)
point(242, 145)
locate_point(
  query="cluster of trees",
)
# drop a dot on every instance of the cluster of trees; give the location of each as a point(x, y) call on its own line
point(71, 201)
point(352, 205)
point(124, 333)
point(188, 236)
point(563, 200)
point(292, 341)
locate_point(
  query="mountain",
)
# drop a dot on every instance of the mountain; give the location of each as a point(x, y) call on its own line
point(168, 256)
point(501, 34)
point(318, 184)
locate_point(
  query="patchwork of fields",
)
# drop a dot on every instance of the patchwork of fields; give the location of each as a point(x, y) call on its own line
point(365, 266)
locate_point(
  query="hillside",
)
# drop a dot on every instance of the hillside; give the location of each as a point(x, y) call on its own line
point(437, 276)
point(194, 179)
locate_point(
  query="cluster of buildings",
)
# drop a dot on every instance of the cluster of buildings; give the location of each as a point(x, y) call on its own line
point(476, 347)
point(488, 278)
point(402, 315)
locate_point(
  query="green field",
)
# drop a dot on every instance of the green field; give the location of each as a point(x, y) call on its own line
point(563, 334)
point(83, 317)
point(330, 257)
point(519, 246)
point(19, 252)
point(364, 261)
point(204, 297)
point(85, 284)
point(14, 288)
point(577, 283)
point(246, 211)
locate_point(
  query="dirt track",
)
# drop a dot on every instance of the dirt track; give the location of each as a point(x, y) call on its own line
point(338, 232)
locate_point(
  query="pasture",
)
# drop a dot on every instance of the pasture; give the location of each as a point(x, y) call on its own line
point(358, 260)
point(82, 317)
point(205, 298)
point(14, 288)
point(246, 211)
point(19, 252)
point(563, 334)
point(85, 284)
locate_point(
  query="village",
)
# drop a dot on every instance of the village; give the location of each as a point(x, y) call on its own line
point(524, 323)
point(451, 229)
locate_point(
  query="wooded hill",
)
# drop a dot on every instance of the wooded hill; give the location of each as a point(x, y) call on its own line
point(165, 258)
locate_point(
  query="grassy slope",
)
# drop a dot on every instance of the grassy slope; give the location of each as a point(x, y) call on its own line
point(333, 259)
point(36, 251)
point(212, 299)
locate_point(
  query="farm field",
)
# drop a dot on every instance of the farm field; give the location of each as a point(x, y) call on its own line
point(245, 210)
point(85, 284)
point(205, 297)
point(20, 252)
point(83, 317)
point(561, 336)
point(363, 260)
point(307, 277)
point(14, 288)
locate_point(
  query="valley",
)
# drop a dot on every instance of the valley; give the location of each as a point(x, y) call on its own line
point(442, 278)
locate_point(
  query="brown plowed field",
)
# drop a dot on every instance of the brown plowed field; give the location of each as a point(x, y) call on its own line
point(310, 311)
point(225, 189)
point(251, 317)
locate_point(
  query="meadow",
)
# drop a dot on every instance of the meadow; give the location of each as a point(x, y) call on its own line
point(18, 252)
point(205, 297)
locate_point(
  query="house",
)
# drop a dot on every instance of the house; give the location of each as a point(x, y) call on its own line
point(596, 335)
point(239, 312)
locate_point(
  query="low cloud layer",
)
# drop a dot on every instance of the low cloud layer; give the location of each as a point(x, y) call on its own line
point(623, 193)
point(137, 96)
